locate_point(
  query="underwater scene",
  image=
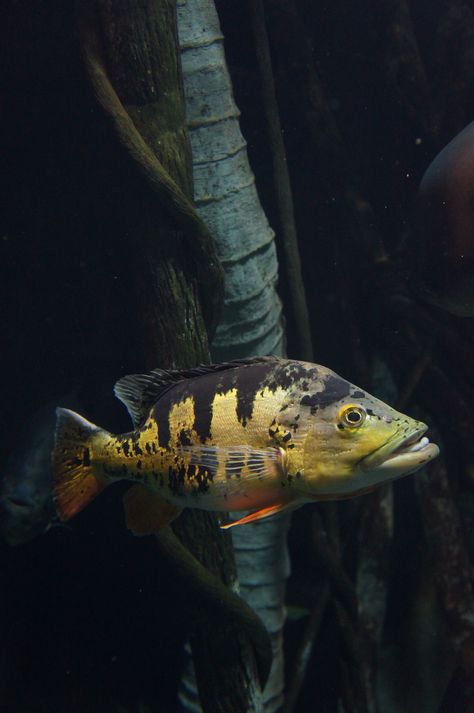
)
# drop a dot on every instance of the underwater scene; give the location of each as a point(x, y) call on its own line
point(237, 337)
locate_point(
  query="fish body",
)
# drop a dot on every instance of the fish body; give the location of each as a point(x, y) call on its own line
point(262, 435)
point(457, 298)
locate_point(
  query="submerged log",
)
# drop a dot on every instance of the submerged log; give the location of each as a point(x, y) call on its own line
point(132, 61)
point(251, 321)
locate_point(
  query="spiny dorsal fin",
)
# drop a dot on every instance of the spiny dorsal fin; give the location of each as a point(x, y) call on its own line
point(138, 392)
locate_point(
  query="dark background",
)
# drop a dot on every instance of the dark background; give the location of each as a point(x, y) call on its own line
point(369, 92)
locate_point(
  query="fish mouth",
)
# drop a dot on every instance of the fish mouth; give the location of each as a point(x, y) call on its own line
point(402, 454)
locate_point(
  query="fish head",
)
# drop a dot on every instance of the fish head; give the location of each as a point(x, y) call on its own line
point(358, 442)
point(26, 502)
point(26, 499)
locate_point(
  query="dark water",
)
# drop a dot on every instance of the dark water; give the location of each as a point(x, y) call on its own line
point(369, 94)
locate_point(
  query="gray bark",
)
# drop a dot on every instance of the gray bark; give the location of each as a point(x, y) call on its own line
point(225, 192)
point(133, 68)
point(226, 199)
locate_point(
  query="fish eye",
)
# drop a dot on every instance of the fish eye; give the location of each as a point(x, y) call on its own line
point(351, 416)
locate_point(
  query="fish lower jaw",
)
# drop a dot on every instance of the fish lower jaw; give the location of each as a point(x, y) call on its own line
point(397, 445)
point(411, 446)
point(408, 459)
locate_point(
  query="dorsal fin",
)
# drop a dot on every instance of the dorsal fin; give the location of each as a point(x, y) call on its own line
point(138, 392)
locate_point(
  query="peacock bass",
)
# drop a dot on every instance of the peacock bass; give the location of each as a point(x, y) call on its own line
point(263, 434)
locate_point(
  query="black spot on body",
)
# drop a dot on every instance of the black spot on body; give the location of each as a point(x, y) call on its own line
point(176, 479)
point(334, 390)
point(311, 402)
point(202, 389)
point(126, 448)
point(136, 449)
point(86, 458)
point(358, 394)
point(160, 414)
point(286, 437)
point(250, 381)
point(287, 373)
point(203, 477)
point(184, 437)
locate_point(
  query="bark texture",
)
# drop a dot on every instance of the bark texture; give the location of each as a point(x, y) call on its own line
point(250, 324)
point(225, 192)
point(134, 72)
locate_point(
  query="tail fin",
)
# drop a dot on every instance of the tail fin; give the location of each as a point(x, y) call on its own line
point(75, 483)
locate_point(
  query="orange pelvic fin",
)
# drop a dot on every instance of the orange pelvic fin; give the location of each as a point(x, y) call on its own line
point(146, 512)
point(260, 514)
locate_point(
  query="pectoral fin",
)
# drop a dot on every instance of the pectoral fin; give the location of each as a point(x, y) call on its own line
point(262, 514)
point(146, 512)
point(236, 461)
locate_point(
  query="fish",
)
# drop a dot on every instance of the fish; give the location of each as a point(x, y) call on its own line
point(26, 483)
point(457, 298)
point(262, 435)
point(444, 247)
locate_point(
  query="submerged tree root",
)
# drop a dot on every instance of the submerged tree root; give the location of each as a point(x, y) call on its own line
point(211, 591)
point(172, 199)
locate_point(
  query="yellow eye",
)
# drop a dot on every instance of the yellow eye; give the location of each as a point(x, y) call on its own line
point(351, 417)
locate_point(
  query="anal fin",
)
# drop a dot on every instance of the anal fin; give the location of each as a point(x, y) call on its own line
point(146, 512)
point(261, 514)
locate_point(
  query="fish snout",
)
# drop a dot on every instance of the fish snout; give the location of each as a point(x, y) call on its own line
point(17, 503)
point(21, 520)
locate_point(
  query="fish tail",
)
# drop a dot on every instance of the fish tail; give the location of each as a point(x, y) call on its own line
point(75, 481)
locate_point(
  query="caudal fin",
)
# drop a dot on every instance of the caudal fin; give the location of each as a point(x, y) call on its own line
point(75, 483)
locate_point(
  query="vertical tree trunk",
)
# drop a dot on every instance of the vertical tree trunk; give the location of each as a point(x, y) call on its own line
point(133, 66)
point(250, 324)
